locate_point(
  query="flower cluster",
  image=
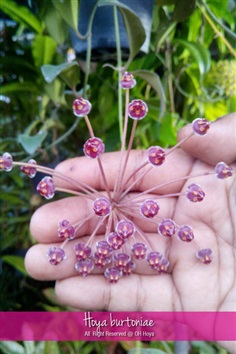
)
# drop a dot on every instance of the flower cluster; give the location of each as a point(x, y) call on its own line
point(222, 75)
point(125, 243)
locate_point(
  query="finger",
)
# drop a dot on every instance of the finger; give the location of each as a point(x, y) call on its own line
point(138, 293)
point(219, 144)
point(87, 170)
point(216, 200)
point(44, 222)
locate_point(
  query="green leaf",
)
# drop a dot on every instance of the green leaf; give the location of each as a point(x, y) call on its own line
point(29, 346)
point(17, 220)
point(54, 91)
point(154, 80)
point(50, 294)
point(69, 11)
point(51, 347)
point(134, 28)
point(13, 87)
point(15, 261)
point(21, 14)
point(71, 75)
point(11, 347)
point(31, 143)
point(39, 348)
point(135, 31)
point(21, 65)
point(68, 71)
point(165, 27)
point(204, 347)
point(165, 2)
point(183, 9)
point(56, 27)
point(195, 23)
point(43, 50)
point(167, 132)
point(11, 198)
point(69, 97)
point(219, 11)
point(199, 53)
point(216, 109)
point(146, 351)
point(52, 123)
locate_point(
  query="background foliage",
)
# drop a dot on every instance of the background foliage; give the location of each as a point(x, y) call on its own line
point(189, 71)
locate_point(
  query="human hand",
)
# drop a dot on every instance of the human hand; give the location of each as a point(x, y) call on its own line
point(189, 284)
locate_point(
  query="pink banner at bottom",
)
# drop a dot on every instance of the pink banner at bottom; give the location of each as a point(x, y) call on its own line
point(94, 326)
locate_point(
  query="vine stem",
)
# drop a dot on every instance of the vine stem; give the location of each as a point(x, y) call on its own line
point(64, 136)
point(169, 74)
point(89, 48)
point(231, 33)
point(219, 34)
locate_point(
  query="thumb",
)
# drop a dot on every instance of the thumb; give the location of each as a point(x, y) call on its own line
point(219, 144)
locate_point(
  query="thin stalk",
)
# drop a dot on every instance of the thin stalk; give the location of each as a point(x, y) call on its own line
point(135, 171)
point(216, 19)
point(169, 76)
point(179, 144)
point(78, 184)
point(98, 159)
point(89, 126)
point(109, 224)
point(104, 177)
point(123, 143)
point(132, 184)
point(140, 232)
point(100, 222)
point(119, 65)
point(125, 121)
point(64, 243)
point(170, 182)
point(219, 34)
point(89, 48)
point(127, 155)
point(77, 225)
point(155, 198)
point(64, 136)
point(70, 191)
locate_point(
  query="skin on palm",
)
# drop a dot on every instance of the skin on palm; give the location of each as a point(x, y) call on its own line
point(213, 222)
point(189, 284)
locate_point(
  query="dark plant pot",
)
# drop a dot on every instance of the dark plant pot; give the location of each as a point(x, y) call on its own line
point(103, 31)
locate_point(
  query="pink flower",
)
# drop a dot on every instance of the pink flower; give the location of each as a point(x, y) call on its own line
point(137, 109)
point(81, 107)
point(127, 81)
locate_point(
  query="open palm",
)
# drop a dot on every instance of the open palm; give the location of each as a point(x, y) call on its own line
point(189, 284)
